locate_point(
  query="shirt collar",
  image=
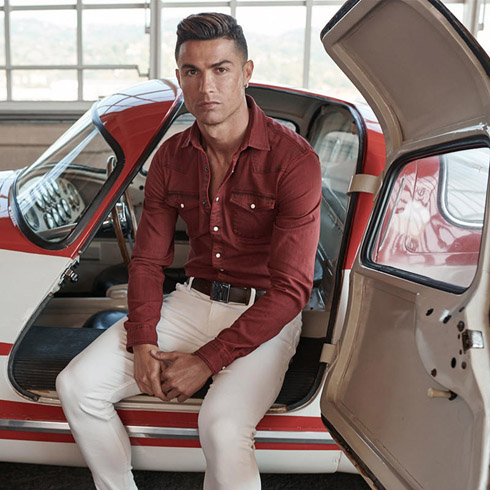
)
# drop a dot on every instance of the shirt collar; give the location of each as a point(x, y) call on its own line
point(256, 135)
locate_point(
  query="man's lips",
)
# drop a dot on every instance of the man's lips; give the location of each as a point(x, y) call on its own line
point(208, 104)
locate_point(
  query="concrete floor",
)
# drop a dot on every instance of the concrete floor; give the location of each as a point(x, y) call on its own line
point(40, 477)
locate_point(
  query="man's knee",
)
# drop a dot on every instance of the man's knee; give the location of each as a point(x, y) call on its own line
point(67, 385)
point(223, 433)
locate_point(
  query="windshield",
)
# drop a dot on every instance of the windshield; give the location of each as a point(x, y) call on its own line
point(54, 192)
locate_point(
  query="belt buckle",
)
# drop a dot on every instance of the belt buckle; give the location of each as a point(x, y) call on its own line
point(220, 291)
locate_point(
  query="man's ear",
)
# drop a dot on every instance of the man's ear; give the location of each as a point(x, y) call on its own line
point(177, 74)
point(248, 69)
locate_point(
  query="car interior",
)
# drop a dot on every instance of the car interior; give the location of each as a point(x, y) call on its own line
point(80, 311)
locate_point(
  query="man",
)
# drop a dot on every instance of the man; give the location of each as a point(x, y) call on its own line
point(249, 192)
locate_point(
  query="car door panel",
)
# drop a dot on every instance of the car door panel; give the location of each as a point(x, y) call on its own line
point(407, 392)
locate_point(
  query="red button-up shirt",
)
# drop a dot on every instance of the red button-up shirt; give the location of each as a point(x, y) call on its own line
point(260, 230)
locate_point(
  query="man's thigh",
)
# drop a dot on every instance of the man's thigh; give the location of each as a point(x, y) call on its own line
point(104, 370)
point(248, 387)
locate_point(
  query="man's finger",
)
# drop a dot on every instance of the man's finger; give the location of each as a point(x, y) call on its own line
point(182, 398)
point(164, 356)
point(172, 394)
point(157, 389)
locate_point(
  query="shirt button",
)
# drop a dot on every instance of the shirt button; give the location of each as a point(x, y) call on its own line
point(222, 270)
point(218, 255)
point(204, 203)
point(252, 206)
point(217, 199)
point(215, 228)
point(205, 169)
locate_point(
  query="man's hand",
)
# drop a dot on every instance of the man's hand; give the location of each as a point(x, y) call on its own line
point(184, 375)
point(148, 371)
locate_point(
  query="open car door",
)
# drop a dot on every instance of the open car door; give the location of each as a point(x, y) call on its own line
point(408, 387)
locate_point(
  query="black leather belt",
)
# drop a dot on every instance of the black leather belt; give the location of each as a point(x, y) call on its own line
point(223, 292)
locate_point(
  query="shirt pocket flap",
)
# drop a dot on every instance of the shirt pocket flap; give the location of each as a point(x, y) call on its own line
point(182, 200)
point(253, 202)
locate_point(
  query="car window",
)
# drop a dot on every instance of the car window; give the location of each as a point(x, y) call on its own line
point(336, 141)
point(465, 185)
point(432, 223)
point(335, 138)
point(54, 193)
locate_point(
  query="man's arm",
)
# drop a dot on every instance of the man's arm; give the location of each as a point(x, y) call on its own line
point(153, 252)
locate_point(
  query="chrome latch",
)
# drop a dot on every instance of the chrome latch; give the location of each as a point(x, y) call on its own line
point(69, 274)
point(472, 339)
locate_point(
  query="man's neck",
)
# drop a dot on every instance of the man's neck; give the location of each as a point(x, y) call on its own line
point(224, 139)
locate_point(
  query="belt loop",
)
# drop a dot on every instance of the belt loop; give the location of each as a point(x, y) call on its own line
point(189, 282)
point(253, 293)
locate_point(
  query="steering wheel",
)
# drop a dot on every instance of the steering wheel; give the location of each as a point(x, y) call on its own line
point(123, 212)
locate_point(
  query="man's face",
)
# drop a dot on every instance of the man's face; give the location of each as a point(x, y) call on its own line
point(212, 75)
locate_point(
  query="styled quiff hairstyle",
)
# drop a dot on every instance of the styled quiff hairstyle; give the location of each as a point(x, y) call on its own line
point(209, 26)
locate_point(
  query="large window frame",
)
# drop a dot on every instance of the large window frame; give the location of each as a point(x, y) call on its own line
point(153, 27)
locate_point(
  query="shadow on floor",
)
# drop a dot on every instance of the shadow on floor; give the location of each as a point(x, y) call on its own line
point(40, 477)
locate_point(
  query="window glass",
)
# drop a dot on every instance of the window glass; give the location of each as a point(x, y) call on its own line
point(99, 83)
point(464, 177)
point(170, 18)
point(275, 38)
point(483, 34)
point(116, 36)
point(325, 75)
point(3, 85)
point(433, 221)
point(43, 37)
point(15, 3)
point(44, 85)
point(113, 1)
point(457, 9)
point(335, 138)
point(56, 191)
point(336, 142)
point(2, 38)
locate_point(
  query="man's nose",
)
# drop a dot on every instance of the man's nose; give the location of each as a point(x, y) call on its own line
point(207, 83)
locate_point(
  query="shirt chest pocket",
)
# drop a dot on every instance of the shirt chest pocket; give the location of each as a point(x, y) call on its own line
point(252, 215)
point(187, 206)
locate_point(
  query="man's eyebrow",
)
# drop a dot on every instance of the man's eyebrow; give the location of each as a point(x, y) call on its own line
point(187, 65)
point(215, 65)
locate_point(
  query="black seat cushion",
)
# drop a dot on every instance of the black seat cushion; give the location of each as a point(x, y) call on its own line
point(104, 319)
point(112, 276)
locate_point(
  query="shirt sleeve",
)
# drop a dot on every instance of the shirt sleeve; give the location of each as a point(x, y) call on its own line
point(293, 249)
point(153, 251)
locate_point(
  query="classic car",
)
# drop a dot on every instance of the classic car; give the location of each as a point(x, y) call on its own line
point(392, 365)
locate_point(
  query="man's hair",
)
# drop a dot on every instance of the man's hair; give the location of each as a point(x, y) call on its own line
point(209, 26)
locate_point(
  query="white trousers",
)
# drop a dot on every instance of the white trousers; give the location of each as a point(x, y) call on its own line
point(238, 398)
